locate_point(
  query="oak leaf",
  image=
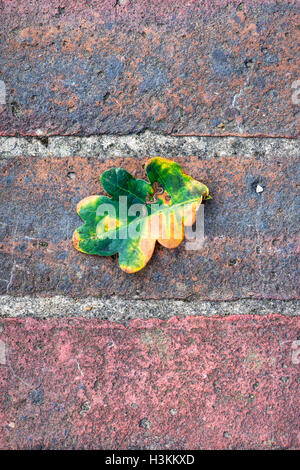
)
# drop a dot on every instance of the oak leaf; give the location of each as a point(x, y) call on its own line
point(138, 213)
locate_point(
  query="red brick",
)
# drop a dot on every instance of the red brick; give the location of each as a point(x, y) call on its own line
point(211, 383)
point(199, 67)
point(250, 248)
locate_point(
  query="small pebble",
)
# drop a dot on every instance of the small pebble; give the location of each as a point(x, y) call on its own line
point(145, 423)
point(259, 189)
point(85, 408)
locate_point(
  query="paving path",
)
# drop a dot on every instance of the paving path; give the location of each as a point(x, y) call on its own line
point(201, 349)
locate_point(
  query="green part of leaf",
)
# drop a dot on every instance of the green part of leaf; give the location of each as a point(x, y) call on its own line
point(118, 182)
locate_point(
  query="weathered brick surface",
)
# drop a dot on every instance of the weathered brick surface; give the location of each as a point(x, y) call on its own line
point(199, 67)
point(210, 67)
point(250, 248)
point(178, 384)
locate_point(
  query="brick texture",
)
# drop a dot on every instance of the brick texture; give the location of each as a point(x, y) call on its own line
point(182, 384)
point(118, 68)
point(202, 67)
point(250, 248)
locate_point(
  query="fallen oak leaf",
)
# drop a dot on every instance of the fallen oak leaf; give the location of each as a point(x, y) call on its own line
point(164, 206)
